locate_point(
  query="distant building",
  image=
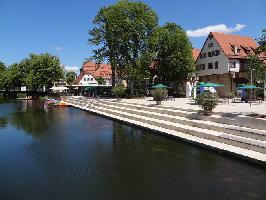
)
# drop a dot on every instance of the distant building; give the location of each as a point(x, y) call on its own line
point(90, 71)
point(222, 60)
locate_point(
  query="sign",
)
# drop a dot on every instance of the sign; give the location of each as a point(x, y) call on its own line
point(23, 89)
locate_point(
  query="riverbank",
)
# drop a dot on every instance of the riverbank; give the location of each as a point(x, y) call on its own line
point(217, 132)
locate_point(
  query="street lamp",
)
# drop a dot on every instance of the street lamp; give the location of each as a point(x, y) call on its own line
point(250, 96)
point(146, 85)
point(153, 79)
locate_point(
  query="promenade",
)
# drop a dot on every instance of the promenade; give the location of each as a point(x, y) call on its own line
point(232, 133)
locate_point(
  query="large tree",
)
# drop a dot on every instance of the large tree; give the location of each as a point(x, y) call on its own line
point(2, 75)
point(122, 34)
point(256, 61)
point(2, 66)
point(41, 70)
point(262, 41)
point(174, 58)
point(70, 77)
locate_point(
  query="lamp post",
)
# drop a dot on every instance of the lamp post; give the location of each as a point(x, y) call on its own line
point(250, 96)
point(153, 79)
point(146, 85)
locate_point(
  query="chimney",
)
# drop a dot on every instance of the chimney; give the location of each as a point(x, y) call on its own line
point(235, 49)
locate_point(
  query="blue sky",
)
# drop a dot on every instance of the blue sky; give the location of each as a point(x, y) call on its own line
point(61, 27)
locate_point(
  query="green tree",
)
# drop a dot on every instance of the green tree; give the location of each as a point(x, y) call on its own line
point(70, 77)
point(2, 66)
point(175, 61)
point(2, 75)
point(262, 42)
point(123, 34)
point(41, 70)
point(258, 67)
point(100, 80)
point(255, 61)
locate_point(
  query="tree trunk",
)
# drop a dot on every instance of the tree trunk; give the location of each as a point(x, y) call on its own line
point(113, 75)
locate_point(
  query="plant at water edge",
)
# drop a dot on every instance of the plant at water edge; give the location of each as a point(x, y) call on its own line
point(208, 101)
point(119, 90)
point(159, 95)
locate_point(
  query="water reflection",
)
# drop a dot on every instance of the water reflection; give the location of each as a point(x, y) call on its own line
point(72, 154)
point(3, 122)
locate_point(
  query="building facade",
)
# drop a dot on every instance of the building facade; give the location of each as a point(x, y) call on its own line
point(222, 60)
point(90, 71)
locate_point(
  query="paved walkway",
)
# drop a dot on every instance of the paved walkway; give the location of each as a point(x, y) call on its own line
point(243, 108)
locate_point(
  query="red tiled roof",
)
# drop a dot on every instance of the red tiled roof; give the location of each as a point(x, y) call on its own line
point(228, 41)
point(96, 70)
point(195, 53)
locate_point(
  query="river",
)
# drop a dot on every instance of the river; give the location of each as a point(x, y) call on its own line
point(66, 153)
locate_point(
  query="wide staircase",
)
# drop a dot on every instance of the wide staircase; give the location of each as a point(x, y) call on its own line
point(216, 132)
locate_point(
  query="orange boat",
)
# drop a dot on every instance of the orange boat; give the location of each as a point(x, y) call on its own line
point(62, 104)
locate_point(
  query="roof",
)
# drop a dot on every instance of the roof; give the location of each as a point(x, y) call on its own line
point(229, 42)
point(195, 53)
point(96, 70)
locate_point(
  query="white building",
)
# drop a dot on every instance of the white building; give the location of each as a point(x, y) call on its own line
point(87, 80)
point(221, 60)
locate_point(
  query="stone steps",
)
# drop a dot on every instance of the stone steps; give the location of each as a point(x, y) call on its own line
point(222, 140)
point(238, 137)
point(235, 130)
point(188, 118)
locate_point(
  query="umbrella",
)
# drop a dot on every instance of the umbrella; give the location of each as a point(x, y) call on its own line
point(159, 86)
point(243, 87)
point(58, 88)
point(203, 84)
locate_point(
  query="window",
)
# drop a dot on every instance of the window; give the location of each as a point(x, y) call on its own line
point(84, 79)
point(203, 67)
point(217, 52)
point(198, 67)
point(238, 51)
point(216, 65)
point(204, 55)
point(210, 65)
point(91, 79)
point(232, 64)
point(213, 53)
point(209, 54)
point(210, 45)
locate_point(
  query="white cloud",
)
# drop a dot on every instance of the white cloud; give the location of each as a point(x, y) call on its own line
point(72, 68)
point(58, 48)
point(214, 28)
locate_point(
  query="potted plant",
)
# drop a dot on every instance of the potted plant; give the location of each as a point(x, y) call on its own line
point(208, 101)
point(159, 95)
point(119, 91)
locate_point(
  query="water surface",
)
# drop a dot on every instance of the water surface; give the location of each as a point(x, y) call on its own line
point(66, 153)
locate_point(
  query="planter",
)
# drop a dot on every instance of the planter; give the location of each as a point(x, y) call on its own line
point(159, 102)
point(207, 112)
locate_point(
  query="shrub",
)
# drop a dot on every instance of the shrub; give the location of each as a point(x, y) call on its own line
point(207, 100)
point(119, 90)
point(159, 94)
point(231, 95)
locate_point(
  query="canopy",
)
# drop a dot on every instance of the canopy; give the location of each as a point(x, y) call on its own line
point(203, 84)
point(61, 88)
point(243, 87)
point(159, 86)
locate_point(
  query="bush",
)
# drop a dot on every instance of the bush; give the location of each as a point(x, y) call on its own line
point(207, 100)
point(231, 95)
point(159, 94)
point(119, 90)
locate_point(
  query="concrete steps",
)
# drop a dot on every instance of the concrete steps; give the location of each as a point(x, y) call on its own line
point(180, 124)
point(231, 129)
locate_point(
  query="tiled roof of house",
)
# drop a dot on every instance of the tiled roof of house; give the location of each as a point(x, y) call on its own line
point(96, 70)
point(195, 53)
point(229, 42)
